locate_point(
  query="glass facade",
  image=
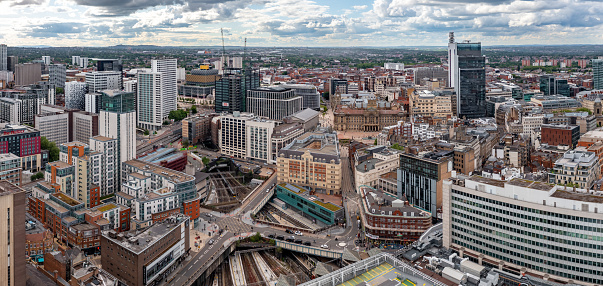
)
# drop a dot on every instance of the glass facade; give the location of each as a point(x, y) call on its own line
point(472, 90)
point(119, 101)
point(231, 89)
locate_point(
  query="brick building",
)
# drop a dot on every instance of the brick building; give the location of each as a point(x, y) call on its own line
point(567, 135)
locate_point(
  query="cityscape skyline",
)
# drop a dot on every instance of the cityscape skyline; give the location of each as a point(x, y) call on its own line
point(299, 23)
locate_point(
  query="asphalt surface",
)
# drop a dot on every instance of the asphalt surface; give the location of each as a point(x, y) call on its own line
point(238, 221)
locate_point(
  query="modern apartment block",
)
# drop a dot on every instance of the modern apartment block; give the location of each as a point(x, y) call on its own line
point(274, 103)
point(232, 136)
point(156, 192)
point(467, 75)
point(168, 68)
point(149, 101)
point(57, 75)
point(312, 161)
point(86, 172)
point(75, 95)
point(118, 121)
point(420, 179)
point(12, 246)
point(147, 254)
point(10, 168)
point(579, 167)
point(84, 125)
point(550, 231)
point(22, 141)
point(597, 73)
point(103, 80)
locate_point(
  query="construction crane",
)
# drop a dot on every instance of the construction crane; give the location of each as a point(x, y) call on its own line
point(224, 65)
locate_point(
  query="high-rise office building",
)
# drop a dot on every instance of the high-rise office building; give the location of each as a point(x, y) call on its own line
point(118, 120)
point(46, 60)
point(308, 92)
point(26, 74)
point(75, 60)
point(3, 57)
point(12, 245)
point(11, 62)
point(337, 86)
point(169, 84)
point(231, 89)
point(598, 73)
point(92, 102)
point(57, 75)
point(75, 95)
point(275, 103)
point(467, 75)
point(549, 85)
point(99, 81)
point(149, 101)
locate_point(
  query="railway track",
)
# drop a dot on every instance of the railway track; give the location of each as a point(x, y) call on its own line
point(225, 278)
point(290, 220)
point(274, 264)
point(252, 274)
point(300, 269)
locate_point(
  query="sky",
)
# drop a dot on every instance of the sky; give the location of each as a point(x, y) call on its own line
point(300, 23)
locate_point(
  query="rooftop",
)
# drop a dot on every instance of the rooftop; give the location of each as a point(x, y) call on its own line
point(7, 188)
point(304, 193)
point(172, 175)
point(378, 202)
point(138, 240)
point(317, 143)
point(102, 138)
point(59, 164)
point(66, 199)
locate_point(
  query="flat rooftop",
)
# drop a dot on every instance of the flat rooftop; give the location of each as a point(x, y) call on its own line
point(578, 196)
point(7, 188)
point(59, 164)
point(175, 176)
point(102, 138)
point(304, 193)
point(138, 240)
point(531, 184)
point(317, 143)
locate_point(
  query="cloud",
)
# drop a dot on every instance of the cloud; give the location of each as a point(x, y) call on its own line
point(114, 8)
point(23, 2)
point(52, 30)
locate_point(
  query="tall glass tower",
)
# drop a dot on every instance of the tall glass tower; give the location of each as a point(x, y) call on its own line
point(231, 89)
point(467, 75)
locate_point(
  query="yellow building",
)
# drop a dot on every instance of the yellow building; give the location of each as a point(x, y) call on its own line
point(428, 104)
point(312, 161)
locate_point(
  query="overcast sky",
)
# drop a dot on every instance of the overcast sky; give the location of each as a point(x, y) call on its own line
point(299, 22)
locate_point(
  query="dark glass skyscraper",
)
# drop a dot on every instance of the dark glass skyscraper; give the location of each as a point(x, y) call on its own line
point(467, 74)
point(231, 89)
point(549, 85)
point(118, 101)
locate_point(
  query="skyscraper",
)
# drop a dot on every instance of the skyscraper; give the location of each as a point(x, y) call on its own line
point(11, 62)
point(549, 85)
point(118, 120)
point(148, 100)
point(3, 57)
point(46, 60)
point(75, 95)
point(26, 74)
point(467, 75)
point(57, 75)
point(12, 245)
point(598, 73)
point(98, 81)
point(231, 89)
point(169, 87)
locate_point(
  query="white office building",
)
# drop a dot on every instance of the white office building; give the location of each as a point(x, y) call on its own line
point(394, 66)
point(98, 81)
point(46, 60)
point(169, 84)
point(149, 100)
point(53, 126)
point(274, 103)
point(309, 93)
point(57, 75)
point(75, 95)
point(106, 174)
point(524, 226)
point(118, 120)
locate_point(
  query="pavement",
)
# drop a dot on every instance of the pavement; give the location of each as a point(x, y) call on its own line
point(238, 223)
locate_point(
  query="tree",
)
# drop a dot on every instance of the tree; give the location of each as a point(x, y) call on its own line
point(53, 150)
point(177, 115)
point(584, 109)
point(146, 132)
point(184, 143)
point(36, 176)
point(59, 90)
point(375, 141)
point(397, 147)
point(194, 109)
point(205, 161)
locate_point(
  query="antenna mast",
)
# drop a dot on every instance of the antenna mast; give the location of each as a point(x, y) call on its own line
point(223, 50)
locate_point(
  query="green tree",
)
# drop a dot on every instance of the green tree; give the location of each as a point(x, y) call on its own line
point(194, 109)
point(53, 150)
point(36, 176)
point(59, 90)
point(184, 143)
point(205, 160)
point(146, 132)
point(397, 147)
point(375, 141)
point(177, 115)
point(584, 109)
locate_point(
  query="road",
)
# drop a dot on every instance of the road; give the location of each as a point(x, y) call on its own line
point(238, 221)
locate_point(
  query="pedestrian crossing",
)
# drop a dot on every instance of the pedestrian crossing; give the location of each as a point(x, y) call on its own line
point(234, 225)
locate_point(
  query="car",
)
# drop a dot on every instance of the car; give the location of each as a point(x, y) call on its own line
point(280, 237)
point(267, 190)
point(288, 239)
point(271, 236)
point(208, 215)
point(210, 242)
point(298, 241)
point(307, 243)
point(324, 246)
point(288, 231)
point(298, 233)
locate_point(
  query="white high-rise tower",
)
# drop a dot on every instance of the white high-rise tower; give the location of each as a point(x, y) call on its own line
point(169, 88)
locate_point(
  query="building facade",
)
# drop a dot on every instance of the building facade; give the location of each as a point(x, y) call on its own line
point(311, 206)
point(312, 161)
point(524, 226)
point(75, 94)
point(309, 93)
point(558, 134)
point(274, 103)
point(149, 102)
point(10, 168)
point(467, 75)
point(597, 73)
point(168, 94)
point(117, 120)
point(576, 167)
point(57, 75)
point(103, 80)
point(12, 246)
point(231, 89)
